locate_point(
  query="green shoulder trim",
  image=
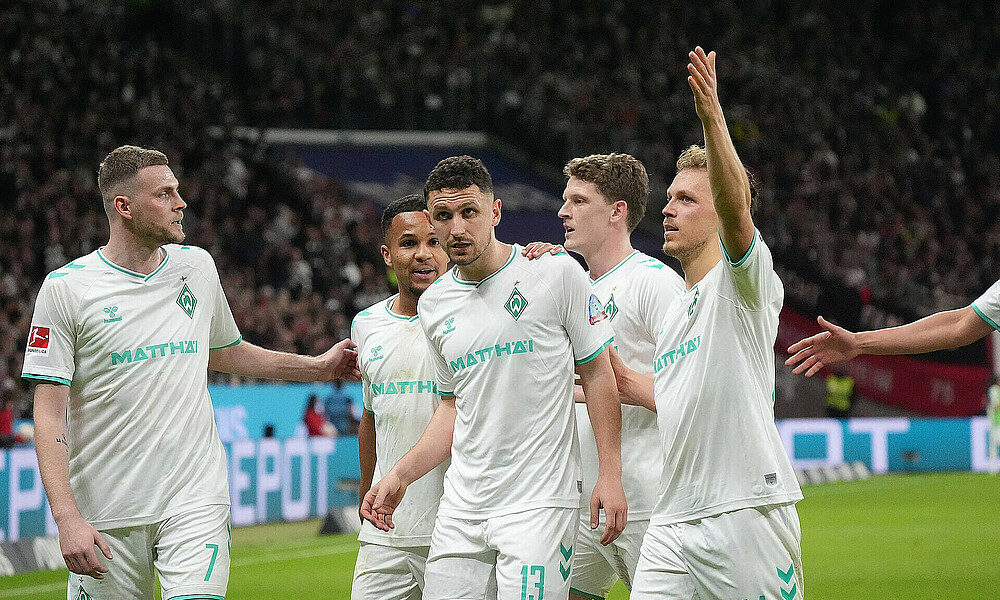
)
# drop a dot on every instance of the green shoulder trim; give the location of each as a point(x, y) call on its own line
point(595, 353)
point(371, 412)
point(238, 340)
point(46, 378)
point(985, 318)
point(573, 590)
point(742, 260)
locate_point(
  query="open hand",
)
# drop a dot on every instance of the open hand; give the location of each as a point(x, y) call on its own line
point(833, 345)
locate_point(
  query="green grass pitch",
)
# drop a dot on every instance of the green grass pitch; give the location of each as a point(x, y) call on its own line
point(891, 537)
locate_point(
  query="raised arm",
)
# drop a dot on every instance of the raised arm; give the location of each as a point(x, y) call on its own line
point(431, 450)
point(339, 362)
point(726, 173)
point(77, 537)
point(604, 409)
point(940, 331)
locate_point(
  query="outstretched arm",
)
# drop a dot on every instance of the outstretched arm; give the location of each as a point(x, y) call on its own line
point(940, 331)
point(339, 362)
point(726, 173)
point(431, 450)
point(604, 409)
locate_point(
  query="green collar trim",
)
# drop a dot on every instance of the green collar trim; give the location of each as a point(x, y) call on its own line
point(166, 258)
point(388, 310)
point(454, 272)
point(615, 268)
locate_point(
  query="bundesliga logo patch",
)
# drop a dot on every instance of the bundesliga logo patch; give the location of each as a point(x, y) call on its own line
point(595, 312)
point(38, 340)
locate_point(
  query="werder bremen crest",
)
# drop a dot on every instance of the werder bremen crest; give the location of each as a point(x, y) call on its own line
point(611, 308)
point(187, 301)
point(516, 303)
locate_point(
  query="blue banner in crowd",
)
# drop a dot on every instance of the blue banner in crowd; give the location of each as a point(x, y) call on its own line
point(298, 477)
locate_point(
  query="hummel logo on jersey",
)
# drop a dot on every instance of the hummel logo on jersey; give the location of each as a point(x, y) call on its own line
point(187, 301)
point(449, 325)
point(595, 312)
point(111, 311)
point(611, 308)
point(694, 302)
point(376, 354)
point(516, 304)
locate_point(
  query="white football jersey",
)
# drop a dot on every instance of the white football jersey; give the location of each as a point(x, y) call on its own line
point(133, 350)
point(635, 295)
point(505, 347)
point(987, 306)
point(399, 389)
point(714, 381)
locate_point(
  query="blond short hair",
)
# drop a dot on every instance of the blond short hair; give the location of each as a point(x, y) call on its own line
point(619, 177)
point(121, 166)
point(695, 157)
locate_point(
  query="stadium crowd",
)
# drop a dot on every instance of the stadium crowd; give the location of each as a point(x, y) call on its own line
point(872, 130)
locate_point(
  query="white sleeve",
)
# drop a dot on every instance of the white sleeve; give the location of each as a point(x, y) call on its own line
point(987, 306)
point(50, 352)
point(583, 315)
point(442, 372)
point(753, 280)
point(224, 331)
point(658, 285)
point(358, 337)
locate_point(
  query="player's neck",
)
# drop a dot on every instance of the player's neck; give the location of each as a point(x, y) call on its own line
point(697, 266)
point(489, 262)
point(132, 255)
point(405, 304)
point(610, 254)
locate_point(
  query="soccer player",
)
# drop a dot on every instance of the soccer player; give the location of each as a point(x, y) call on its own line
point(505, 335)
point(724, 525)
point(944, 330)
point(123, 338)
point(399, 396)
point(604, 201)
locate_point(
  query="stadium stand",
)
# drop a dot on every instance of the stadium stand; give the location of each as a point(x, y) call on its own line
point(872, 128)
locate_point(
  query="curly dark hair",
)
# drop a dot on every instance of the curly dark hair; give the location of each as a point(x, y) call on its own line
point(456, 173)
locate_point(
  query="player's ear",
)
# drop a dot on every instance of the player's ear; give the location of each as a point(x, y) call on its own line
point(496, 211)
point(619, 211)
point(122, 206)
point(385, 255)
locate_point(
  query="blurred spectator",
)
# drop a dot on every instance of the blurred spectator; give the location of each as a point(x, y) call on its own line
point(337, 408)
point(6, 420)
point(316, 423)
point(840, 393)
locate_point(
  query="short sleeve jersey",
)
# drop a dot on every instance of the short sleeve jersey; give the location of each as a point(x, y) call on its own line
point(636, 294)
point(399, 390)
point(987, 306)
point(505, 347)
point(714, 383)
point(133, 350)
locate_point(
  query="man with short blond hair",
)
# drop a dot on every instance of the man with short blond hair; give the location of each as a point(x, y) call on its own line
point(725, 524)
point(121, 341)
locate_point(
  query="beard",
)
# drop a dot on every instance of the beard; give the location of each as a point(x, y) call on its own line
point(156, 234)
